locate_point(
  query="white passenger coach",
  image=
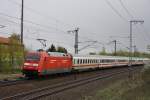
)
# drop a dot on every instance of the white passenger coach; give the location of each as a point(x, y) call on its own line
point(98, 61)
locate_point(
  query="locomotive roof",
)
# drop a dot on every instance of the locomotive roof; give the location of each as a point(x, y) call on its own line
point(57, 54)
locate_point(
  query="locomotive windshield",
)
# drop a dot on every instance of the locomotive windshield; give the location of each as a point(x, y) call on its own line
point(32, 57)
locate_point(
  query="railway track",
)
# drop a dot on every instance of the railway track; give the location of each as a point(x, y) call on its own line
point(12, 82)
point(57, 88)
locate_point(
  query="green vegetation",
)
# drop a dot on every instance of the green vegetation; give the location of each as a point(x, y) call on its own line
point(134, 88)
point(125, 53)
point(11, 55)
point(58, 49)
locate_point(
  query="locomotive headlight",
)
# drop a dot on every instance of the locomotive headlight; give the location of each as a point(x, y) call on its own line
point(26, 64)
point(35, 65)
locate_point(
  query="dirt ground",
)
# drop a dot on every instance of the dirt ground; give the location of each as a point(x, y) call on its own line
point(119, 87)
point(87, 91)
point(10, 76)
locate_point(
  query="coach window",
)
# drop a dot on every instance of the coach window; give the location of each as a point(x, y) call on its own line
point(108, 60)
point(103, 61)
point(75, 61)
point(78, 61)
point(83, 61)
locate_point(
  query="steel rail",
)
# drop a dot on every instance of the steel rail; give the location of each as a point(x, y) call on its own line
point(50, 90)
point(11, 82)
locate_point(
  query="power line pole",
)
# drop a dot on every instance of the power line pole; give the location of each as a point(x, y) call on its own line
point(115, 48)
point(22, 12)
point(76, 39)
point(130, 54)
point(134, 50)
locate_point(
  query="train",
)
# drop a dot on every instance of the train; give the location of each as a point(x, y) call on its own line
point(46, 63)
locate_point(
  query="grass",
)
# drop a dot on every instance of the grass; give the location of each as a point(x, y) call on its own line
point(135, 88)
point(13, 74)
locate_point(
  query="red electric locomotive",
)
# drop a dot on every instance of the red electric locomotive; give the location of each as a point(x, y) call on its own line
point(43, 63)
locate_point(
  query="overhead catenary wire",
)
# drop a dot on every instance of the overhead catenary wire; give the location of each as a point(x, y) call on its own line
point(110, 4)
point(115, 10)
point(41, 14)
point(46, 16)
point(120, 15)
point(130, 14)
point(49, 41)
point(127, 11)
point(16, 23)
point(31, 22)
point(37, 24)
point(31, 38)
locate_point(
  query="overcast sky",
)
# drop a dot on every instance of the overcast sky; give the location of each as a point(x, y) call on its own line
point(98, 20)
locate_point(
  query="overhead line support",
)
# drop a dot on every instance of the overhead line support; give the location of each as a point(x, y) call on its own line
point(130, 54)
point(22, 13)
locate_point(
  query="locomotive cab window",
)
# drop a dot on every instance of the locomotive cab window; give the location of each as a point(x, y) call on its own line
point(33, 57)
